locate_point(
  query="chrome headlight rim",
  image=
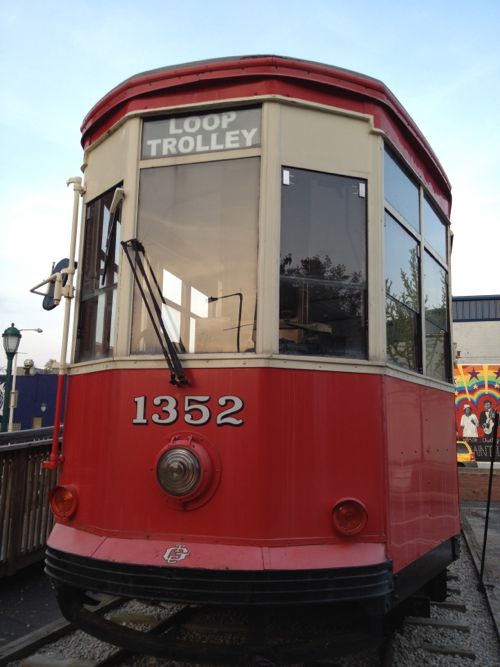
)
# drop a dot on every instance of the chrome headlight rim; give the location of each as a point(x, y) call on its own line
point(179, 471)
point(210, 470)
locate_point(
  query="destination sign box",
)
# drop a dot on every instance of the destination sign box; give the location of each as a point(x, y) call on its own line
point(201, 133)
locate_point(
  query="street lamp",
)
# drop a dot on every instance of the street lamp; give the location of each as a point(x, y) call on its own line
point(11, 339)
point(30, 363)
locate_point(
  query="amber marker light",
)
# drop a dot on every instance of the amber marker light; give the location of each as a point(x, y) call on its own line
point(63, 501)
point(349, 516)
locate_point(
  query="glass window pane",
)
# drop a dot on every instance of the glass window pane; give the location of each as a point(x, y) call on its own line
point(172, 321)
point(403, 333)
point(435, 230)
point(323, 265)
point(99, 266)
point(402, 265)
point(96, 326)
point(436, 293)
point(401, 192)
point(436, 352)
point(198, 225)
point(199, 303)
point(172, 287)
point(437, 338)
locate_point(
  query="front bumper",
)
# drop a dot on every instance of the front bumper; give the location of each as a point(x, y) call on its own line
point(222, 587)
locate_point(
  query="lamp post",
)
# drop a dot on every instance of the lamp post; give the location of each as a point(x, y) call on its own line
point(31, 363)
point(11, 339)
point(43, 410)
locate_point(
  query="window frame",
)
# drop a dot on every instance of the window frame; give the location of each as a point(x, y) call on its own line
point(201, 158)
point(425, 248)
point(94, 242)
point(398, 303)
point(363, 290)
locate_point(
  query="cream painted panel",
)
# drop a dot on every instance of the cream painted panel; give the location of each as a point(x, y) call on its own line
point(330, 142)
point(105, 163)
point(113, 160)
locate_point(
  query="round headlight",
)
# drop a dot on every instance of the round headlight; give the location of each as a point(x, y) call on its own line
point(179, 471)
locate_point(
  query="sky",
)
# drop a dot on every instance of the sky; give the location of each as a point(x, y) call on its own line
point(57, 59)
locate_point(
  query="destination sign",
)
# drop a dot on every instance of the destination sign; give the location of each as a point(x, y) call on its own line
point(201, 133)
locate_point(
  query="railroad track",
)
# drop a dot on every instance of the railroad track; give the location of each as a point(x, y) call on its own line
point(459, 631)
point(449, 646)
point(448, 637)
point(46, 635)
point(231, 636)
point(194, 625)
point(387, 656)
point(445, 634)
point(53, 632)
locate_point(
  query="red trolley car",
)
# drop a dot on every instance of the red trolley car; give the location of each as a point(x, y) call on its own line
point(259, 405)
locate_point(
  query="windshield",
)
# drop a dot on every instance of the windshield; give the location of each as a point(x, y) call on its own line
point(198, 225)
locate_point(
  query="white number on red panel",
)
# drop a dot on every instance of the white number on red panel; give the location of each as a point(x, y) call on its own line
point(193, 410)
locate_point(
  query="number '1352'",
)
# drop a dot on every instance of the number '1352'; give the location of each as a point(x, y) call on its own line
point(194, 410)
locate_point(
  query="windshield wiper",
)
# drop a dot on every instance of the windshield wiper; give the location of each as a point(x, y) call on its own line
point(135, 247)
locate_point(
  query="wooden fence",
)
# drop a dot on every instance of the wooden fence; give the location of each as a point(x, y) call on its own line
point(25, 517)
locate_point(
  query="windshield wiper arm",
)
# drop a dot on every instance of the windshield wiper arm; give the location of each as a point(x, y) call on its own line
point(177, 376)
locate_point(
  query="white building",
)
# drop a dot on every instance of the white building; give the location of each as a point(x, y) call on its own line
point(476, 329)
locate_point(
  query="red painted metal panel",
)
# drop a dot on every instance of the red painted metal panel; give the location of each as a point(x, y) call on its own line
point(422, 492)
point(309, 438)
point(204, 555)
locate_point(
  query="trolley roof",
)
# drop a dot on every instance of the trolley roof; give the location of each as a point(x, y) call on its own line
point(233, 78)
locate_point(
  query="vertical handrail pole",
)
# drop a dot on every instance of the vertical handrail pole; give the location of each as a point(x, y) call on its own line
point(488, 500)
point(55, 457)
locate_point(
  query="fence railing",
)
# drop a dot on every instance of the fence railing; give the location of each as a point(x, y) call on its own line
point(25, 517)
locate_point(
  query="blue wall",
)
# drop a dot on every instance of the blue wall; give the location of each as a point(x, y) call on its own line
point(33, 390)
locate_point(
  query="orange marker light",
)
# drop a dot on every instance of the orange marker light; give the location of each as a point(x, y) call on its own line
point(63, 501)
point(349, 516)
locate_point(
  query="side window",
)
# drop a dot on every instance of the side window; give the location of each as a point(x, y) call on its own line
point(401, 193)
point(402, 288)
point(416, 277)
point(435, 230)
point(323, 265)
point(99, 266)
point(437, 337)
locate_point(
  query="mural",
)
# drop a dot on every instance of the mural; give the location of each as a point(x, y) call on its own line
point(477, 396)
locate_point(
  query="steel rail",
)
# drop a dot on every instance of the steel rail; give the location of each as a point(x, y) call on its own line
point(28, 644)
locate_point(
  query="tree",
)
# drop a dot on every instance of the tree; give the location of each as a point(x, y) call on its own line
point(322, 304)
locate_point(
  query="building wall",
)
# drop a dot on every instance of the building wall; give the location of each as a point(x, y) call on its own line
point(475, 385)
point(34, 391)
point(477, 342)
